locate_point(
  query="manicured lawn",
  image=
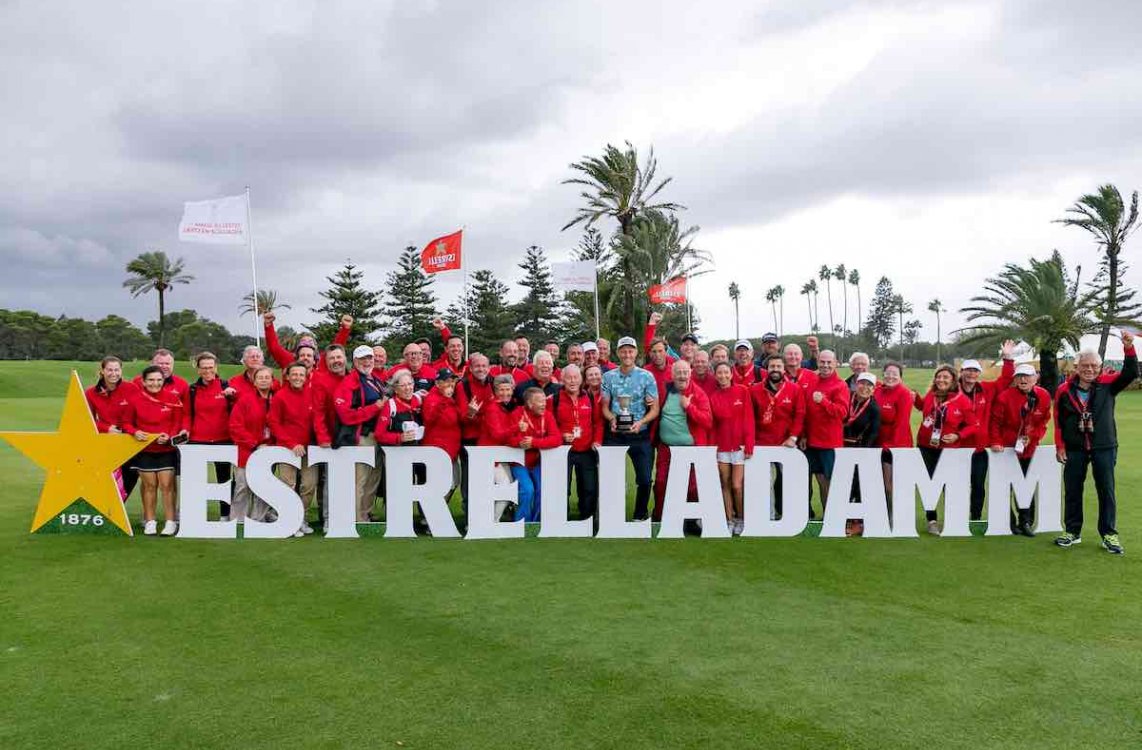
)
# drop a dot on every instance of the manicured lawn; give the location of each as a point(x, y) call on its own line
point(975, 643)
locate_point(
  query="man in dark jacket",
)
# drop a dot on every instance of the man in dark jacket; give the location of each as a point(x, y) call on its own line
point(1086, 435)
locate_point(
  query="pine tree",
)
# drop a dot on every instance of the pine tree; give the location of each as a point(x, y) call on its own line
point(881, 321)
point(346, 296)
point(409, 304)
point(491, 319)
point(539, 315)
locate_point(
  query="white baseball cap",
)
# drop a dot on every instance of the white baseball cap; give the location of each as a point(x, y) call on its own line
point(743, 344)
point(626, 341)
point(971, 364)
point(867, 377)
point(362, 351)
point(1025, 369)
point(590, 346)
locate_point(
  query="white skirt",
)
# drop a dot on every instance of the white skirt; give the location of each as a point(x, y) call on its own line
point(737, 458)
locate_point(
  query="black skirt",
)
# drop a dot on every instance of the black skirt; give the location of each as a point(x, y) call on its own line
point(155, 461)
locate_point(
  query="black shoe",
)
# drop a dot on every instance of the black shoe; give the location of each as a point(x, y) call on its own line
point(1025, 529)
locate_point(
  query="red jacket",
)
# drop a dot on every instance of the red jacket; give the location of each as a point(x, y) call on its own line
point(249, 424)
point(393, 414)
point(496, 425)
point(349, 407)
point(466, 390)
point(459, 370)
point(109, 408)
point(580, 411)
point(981, 398)
point(955, 416)
point(825, 421)
point(442, 424)
point(748, 376)
point(244, 386)
point(732, 412)
point(321, 388)
point(207, 413)
point(707, 384)
point(662, 375)
point(284, 356)
point(1011, 418)
point(895, 415)
point(291, 417)
point(543, 431)
point(807, 379)
point(154, 416)
point(699, 416)
point(519, 374)
point(423, 379)
point(777, 416)
point(173, 386)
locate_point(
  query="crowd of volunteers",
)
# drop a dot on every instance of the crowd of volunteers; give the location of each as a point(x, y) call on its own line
point(735, 400)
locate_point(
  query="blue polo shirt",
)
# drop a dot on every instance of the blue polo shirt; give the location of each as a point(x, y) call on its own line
point(638, 384)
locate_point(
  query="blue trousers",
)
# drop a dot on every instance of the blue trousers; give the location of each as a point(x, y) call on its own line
point(527, 481)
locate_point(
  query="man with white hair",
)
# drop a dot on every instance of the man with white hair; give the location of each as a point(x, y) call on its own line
point(1086, 435)
point(543, 377)
point(858, 363)
point(252, 360)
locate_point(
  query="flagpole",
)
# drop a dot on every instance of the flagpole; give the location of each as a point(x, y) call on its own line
point(464, 291)
point(253, 267)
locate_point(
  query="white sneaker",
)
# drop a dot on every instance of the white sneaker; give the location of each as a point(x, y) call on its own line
point(934, 528)
point(298, 534)
point(150, 528)
point(224, 519)
point(305, 528)
point(170, 528)
point(738, 526)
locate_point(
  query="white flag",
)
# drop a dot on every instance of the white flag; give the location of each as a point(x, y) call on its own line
point(573, 276)
point(217, 222)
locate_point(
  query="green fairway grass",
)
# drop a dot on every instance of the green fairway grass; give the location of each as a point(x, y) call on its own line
point(794, 643)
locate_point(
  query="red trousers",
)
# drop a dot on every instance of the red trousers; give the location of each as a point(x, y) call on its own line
point(661, 472)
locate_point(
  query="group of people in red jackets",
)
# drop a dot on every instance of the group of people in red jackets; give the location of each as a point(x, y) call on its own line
point(735, 400)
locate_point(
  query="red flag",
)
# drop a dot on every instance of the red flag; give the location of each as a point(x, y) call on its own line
point(670, 291)
point(442, 254)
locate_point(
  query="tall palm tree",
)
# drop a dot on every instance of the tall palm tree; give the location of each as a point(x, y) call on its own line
point(937, 307)
point(618, 186)
point(771, 298)
point(807, 290)
point(779, 290)
point(735, 295)
point(841, 275)
point(154, 271)
point(1038, 303)
point(854, 280)
point(1105, 216)
point(825, 274)
point(901, 308)
point(815, 322)
point(267, 301)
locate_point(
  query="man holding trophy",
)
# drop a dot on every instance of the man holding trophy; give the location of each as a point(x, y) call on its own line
point(630, 406)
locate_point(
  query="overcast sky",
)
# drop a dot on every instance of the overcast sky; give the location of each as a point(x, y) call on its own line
point(927, 141)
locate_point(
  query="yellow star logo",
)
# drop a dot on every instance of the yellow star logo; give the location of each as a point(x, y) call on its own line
point(79, 461)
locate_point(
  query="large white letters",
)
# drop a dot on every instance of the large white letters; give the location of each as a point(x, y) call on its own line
point(196, 490)
point(1005, 475)
point(340, 487)
point(401, 493)
point(613, 523)
point(952, 477)
point(709, 509)
point(486, 497)
point(759, 495)
point(553, 521)
point(872, 508)
point(263, 483)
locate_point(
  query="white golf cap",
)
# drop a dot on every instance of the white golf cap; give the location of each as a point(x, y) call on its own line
point(867, 377)
point(971, 364)
point(1025, 369)
point(626, 341)
point(362, 351)
point(743, 344)
point(590, 346)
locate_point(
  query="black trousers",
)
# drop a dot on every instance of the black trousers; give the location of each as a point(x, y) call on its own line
point(1020, 516)
point(978, 483)
point(931, 457)
point(585, 464)
point(1101, 463)
point(464, 473)
point(641, 454)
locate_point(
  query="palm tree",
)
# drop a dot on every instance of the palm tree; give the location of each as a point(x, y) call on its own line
point(825, 274)
point(780, 292)
point(807, 290)
point(771, 298)
point(901, 308)
point(656, 250)
point(1106, 218)
point(735, 295)
point(841, 275)
point(937, 307)
point(267, 301)
point(854, 280)
point(815, 321)
point(617, 186)
point(154, 271)
point(1039, 304)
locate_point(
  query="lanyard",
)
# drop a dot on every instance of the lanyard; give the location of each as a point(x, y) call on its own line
point(856, 411)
